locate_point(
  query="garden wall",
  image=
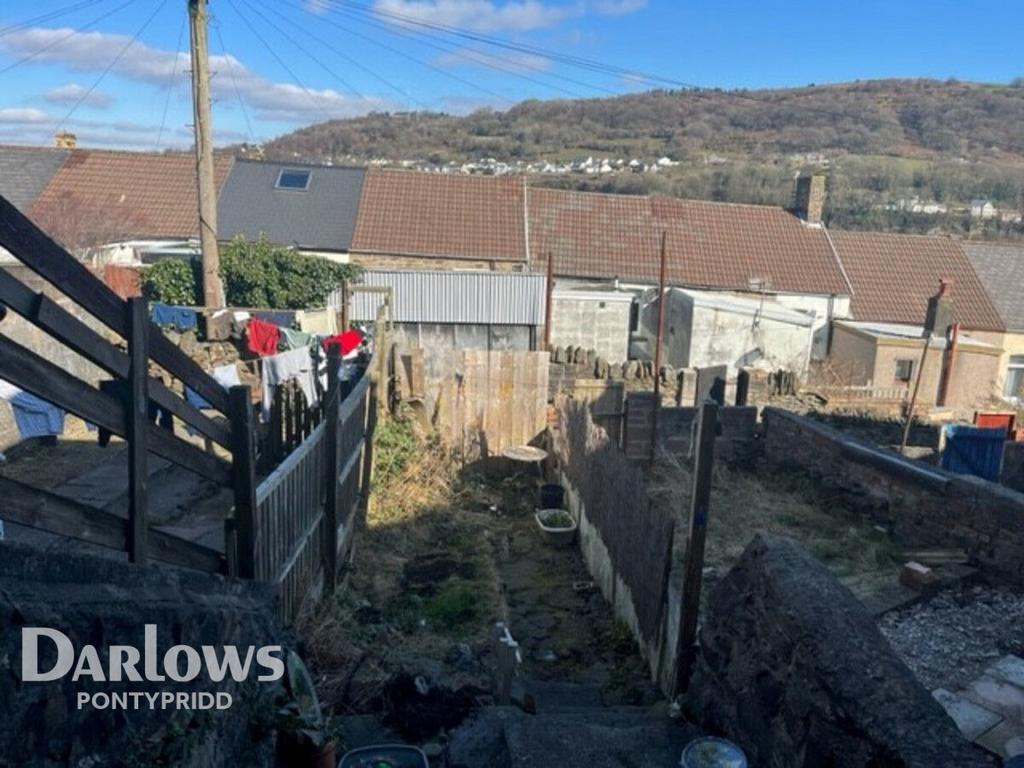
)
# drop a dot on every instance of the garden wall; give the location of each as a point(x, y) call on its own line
point(625, 540)
point(923, 505)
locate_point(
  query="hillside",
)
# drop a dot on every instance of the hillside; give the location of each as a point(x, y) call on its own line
point(943, 143)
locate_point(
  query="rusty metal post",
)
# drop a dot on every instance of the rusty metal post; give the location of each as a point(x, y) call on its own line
point(657, 347)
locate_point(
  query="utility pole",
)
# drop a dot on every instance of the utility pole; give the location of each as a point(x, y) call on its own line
point(657, 347)
point(213, 294)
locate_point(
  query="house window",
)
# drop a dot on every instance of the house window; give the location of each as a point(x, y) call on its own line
point(1015, 377)
point(904, 370)
point(291, 178)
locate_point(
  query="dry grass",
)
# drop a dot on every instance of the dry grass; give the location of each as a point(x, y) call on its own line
point(745, 502)
point(378, 624)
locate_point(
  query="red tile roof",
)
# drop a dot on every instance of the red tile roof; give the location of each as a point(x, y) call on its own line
point(716, 245)
point(156, 192)
point(405, 213)
point(894, 275)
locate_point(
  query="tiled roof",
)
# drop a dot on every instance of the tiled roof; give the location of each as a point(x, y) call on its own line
point(715, 245)
point(893, 277)
point(1001, 270)
point(461, 217)
point(156, 192)
point(322, 216)
point(25, 172)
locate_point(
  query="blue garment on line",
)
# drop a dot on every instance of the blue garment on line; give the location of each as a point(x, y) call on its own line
point(35, 417)
point(179, 318)
point(194, 398)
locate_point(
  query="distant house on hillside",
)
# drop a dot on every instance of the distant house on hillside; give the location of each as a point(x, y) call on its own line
point(983, 209)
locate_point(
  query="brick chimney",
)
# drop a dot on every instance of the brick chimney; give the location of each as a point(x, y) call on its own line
point(940, 310)
point(810, 197)
point(65, 140)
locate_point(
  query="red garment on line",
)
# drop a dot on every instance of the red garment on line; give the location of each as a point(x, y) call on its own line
point(262, 337)
point(348, 342)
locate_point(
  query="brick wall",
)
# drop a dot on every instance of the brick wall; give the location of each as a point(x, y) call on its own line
point(923, 505)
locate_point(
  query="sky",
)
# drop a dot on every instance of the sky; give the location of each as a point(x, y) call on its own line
point(115, 72)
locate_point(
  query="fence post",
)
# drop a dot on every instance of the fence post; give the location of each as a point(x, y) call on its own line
point(742, 387)
point(243, 471)
point(138, 423)
point(332, 469)
point(700, 502)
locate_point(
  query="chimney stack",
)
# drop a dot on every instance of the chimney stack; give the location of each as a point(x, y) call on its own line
point(65, 140)
point(940, 310)
point(810, 197)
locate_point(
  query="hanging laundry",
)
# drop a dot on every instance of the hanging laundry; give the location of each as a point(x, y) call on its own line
point(262, 337)
point(34, 417)
point(225, 375)
point(296, 365)
point(180, 319)
point(282, 318)
point(292, 339)
point(348, 343)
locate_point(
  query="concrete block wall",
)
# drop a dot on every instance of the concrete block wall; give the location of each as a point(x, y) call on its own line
point(738, 428)
point(923, 505)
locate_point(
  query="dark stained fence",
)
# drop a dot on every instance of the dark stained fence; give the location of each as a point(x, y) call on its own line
point(637, 534)
point(291, 529)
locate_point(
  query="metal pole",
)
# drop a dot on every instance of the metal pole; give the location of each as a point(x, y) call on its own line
point(213, 292)
point(548, 301)
point(700, 507)
point(657, 346)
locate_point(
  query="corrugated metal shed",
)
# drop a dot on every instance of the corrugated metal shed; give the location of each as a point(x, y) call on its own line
point(477, 298)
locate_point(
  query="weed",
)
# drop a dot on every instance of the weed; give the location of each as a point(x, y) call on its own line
point(457, 604)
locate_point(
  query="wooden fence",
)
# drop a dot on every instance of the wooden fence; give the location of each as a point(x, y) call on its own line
point(290, 529)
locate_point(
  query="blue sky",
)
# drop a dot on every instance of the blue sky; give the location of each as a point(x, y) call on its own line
point(280, 64)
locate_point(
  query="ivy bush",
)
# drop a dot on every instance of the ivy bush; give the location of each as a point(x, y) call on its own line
point(174, 281)
point(256, 273)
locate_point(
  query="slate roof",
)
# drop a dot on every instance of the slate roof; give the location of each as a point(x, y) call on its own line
point(321, 217)
point(154, 192)
point(893, 276)
point(25, 172)
point(714, 245)
point(405, 213)
point(1001, 270)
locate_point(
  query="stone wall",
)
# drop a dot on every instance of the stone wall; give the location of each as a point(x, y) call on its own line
point(103, 602)
point(923, 505)
point(794, 669)
point(737, 428)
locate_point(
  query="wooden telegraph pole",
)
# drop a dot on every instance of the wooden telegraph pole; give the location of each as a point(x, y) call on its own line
point(213, 294)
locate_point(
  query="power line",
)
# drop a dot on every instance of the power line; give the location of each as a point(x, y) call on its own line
point(110, 66)
point(348, 86)
point(228, 62)
point(64, 39)
point(170, 85)
point(50, 16)
point(420, 62)
point(346, 57)
point(272, 52)
point(489, 60)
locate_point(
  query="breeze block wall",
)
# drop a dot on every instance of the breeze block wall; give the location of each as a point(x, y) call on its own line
point(923, 505)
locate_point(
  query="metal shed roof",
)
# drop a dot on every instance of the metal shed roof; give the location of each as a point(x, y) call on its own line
point(484, 298)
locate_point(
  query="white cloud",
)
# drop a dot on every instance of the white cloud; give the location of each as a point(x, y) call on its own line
point(318, 7)
point(618, 7)
point(23, 116)
point(285, 102)
point(73, 92)
point(483, 15)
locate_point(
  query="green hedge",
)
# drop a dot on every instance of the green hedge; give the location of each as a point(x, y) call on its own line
point(255, 274)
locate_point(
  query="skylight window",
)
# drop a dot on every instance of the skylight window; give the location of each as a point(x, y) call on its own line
point(293, 178)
